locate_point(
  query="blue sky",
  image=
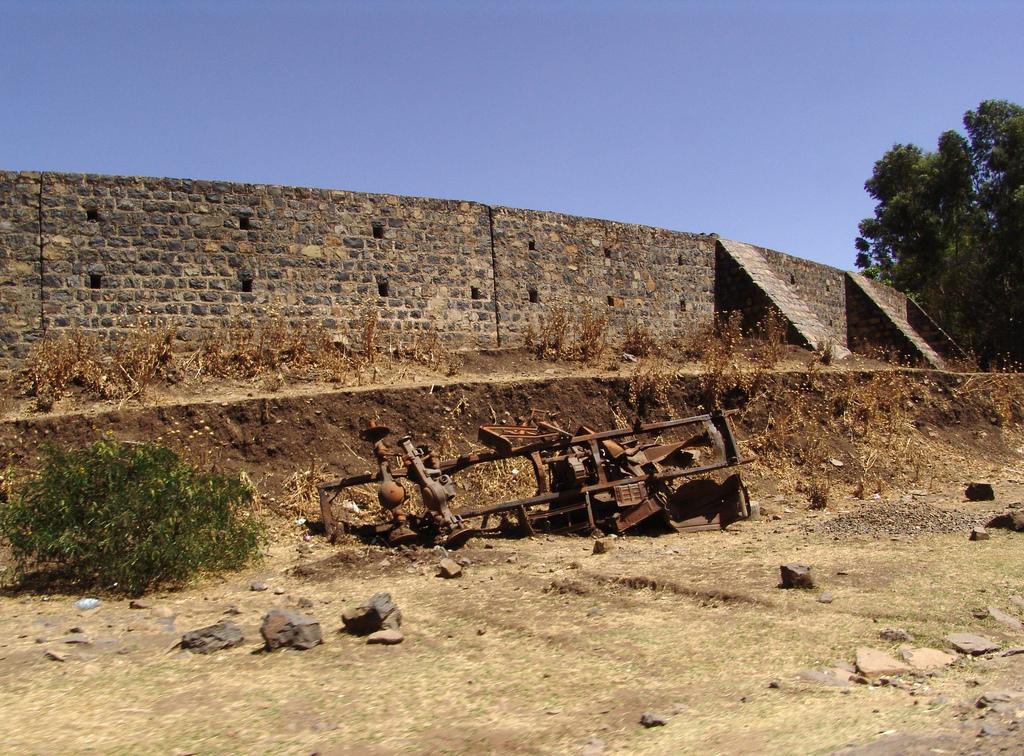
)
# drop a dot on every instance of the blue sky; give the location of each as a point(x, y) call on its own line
point(759, 121)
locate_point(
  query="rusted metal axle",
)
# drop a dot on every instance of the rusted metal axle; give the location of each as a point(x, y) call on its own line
point(610, 480)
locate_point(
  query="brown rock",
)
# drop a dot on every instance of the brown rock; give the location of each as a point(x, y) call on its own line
point(449, 569)
point(828, 676)
point(603, 545)
point(873, 662)
point(979, 534)
point(926, 658)
point(386, 637)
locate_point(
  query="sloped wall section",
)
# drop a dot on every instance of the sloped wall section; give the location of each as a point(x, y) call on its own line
point(107, 253)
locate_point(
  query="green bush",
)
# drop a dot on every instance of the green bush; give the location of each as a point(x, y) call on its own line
point(127, 517)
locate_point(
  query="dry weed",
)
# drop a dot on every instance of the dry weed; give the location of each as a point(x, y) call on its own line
point(561, 335)
point(639, 341)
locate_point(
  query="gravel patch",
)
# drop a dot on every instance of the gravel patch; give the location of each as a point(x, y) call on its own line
point(898, 518)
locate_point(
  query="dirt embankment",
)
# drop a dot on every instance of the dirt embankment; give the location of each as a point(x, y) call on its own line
point(861, 429)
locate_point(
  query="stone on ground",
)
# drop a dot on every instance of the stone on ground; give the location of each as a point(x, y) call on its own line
point(979, 534)
point(379, 613)
point(897, 634)
point(1007, 619)
point(872, 662)
point(828, 676)
point(448, 569)
point(256, 585)
point(386, 637)
point(926, 658)
point(216, 637)
point(796, 575)
point(979, 492)
point(603, 545)
point(282, 628)
point(650, 719)
point(969, 643)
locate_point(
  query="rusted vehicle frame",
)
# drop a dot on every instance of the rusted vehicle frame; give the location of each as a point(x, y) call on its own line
point(585, 481)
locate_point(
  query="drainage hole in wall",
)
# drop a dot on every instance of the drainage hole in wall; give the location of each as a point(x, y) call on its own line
point(382, 287)
point(531, 244)
point(243, 222)
point(92, 214)
point(534, 295)
point(474, 292)
point(611, 301)
point(378, 230)
point(247, 285)
point(607, 253)
point(95, 281)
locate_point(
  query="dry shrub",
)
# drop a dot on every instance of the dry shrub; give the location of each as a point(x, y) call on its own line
point(122, 369)
point(301, 496)
point(639, 341)
point(769, 340)
point(648, 387)
point(561, 335)
point(431, 351)
point(996, 396)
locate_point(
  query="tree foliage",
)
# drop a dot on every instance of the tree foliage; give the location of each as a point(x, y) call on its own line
point(948, 228)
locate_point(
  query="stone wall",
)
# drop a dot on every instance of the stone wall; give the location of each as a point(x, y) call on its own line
point(19, 263)
point(201, 254)
point(104, 253)
point(819, 286)
point(631, 274)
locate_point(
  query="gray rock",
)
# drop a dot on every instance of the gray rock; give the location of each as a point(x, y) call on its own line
point(379, 613)
point(650, 719)
point(55, 655)
point(895, 634)
point(969, 643)
point(826, 598)
point(282, 628)
point(216, 637)
point(979, 534)
point(1006, 619)
point(979, 492)
point(796, 575)
point(448, 569)
point(256, 585)
point(305, 603)
point(386, 637)
point(831, 676)
point(1015, 651)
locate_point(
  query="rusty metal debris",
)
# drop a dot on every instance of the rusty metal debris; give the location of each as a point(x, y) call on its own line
point(610, 480)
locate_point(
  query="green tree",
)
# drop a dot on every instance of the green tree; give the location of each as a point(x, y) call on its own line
point(948, 228)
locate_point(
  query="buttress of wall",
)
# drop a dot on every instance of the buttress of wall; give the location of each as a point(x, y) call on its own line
point(821, 287)
point(204, 254)
point(631, 274)
point(19, 264)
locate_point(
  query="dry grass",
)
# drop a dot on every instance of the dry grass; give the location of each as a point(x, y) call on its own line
point(640, 341)
point(270, 353)
point(121, 369)
point(577, 335)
